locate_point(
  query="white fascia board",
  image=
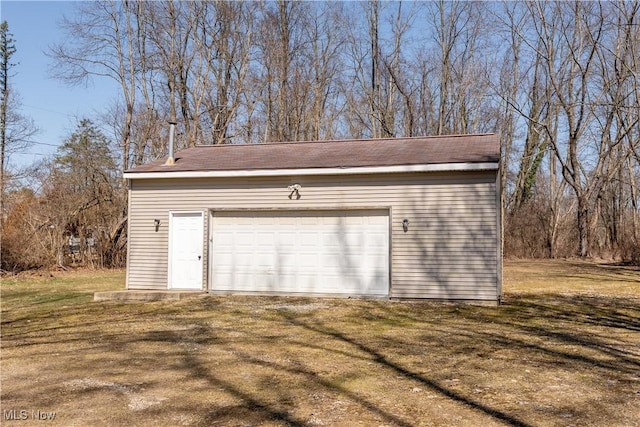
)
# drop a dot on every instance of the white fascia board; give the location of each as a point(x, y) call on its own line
point(440, 167)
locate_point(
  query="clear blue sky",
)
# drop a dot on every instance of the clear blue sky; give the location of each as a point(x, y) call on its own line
point(53, 106)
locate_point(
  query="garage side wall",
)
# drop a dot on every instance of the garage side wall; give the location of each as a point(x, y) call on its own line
point(450, 250)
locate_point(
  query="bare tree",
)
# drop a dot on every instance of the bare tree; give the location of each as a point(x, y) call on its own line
point(382, 104)
point(7, 49)
point(224, 41)
point(617, 122)
point(326, 44)
point(102, 42)
point(569, 35)
point(557, 80)
point(15, 129)
point(280, 54)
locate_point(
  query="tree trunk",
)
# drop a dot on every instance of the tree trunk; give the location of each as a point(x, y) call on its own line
point(583, 225)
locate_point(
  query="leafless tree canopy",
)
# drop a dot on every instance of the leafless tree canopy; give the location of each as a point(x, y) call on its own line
point(557, 80)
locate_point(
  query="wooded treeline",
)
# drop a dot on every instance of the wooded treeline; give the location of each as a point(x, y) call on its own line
point(557, 80)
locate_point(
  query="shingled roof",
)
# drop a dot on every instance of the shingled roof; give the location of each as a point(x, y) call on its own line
point(480, 148)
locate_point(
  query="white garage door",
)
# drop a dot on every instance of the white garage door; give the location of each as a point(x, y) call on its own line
point(321, 252)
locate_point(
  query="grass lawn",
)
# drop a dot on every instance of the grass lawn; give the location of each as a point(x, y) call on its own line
point(562, 350)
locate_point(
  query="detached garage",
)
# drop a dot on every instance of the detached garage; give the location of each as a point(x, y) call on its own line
point(394, 218)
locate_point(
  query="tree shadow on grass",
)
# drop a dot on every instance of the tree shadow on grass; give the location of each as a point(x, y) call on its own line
point(575, 333)
point(600, 271)
point(584, 310)
point(316, 379)
point(384, 361)
point(251, 404)
point(543, 324)
point(252, 408)
point(539, 326)
point(262, 410)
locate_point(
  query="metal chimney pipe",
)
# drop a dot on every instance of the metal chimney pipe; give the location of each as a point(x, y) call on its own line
point(172, 128)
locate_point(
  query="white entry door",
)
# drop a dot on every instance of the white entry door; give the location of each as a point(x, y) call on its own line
point(186, 250)
point(301, 252)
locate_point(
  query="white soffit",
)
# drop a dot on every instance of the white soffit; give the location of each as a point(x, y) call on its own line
point(440, 167)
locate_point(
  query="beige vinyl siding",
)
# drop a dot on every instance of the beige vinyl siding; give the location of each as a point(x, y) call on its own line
point(449, 252)
point(450, 246)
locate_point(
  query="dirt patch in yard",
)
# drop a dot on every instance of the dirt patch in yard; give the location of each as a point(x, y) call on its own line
point(556, 352)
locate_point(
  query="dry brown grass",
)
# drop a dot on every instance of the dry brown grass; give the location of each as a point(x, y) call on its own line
point(563, 349)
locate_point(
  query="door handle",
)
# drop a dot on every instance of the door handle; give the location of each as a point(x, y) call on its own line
point(199, 257)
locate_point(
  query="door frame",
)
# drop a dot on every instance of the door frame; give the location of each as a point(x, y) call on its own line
point(172, 215)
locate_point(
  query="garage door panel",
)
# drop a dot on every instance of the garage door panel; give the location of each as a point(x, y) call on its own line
point(267, 239)
point(224, 259)
point(329, 241)
point(373, 260)
point(265, 259)
point(308, 261)
point(309, 239)
point(286, 240)
point(244, 238)
point(337, 252)
point(224, 239)
point(243, 259)
point(377, 238)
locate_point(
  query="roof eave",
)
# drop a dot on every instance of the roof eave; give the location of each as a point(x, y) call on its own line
point(438, 167)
